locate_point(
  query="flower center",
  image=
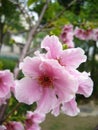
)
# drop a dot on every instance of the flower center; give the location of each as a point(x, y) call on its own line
point(45, 81)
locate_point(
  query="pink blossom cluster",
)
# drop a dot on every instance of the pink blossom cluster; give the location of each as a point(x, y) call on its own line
point(68, 33)
point(52, 80)
point(6, 85)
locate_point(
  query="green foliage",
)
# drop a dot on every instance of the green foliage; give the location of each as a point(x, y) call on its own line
point(10, 21)
point(90, 9)
point(8, 62)
point(11, 15)
point(1, 65)
point(17, 111)
point(30, 2)
point(80, 11)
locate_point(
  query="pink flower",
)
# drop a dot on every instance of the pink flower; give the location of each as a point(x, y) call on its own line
point(70, 59)
point(66, 57)
point(67, 39)
point(14, 126)
point(6, 83)
point(83, 34)
point(52, 81)
point(67, 36)
point(46, 83)
point(33, 119)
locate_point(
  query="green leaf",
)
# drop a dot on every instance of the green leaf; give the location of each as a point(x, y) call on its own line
point(30, 2)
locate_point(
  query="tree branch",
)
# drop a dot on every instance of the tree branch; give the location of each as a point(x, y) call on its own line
point(30, 36)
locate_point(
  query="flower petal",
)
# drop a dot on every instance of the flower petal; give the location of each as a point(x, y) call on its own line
point(72, 57)
point(30, 65)
point(86, 85)
point(47, 101)
point(6, 82)
point(27, 90)
point(84, 81)
point(56, 110)
point(66, 86)
point(4, 90)
point(70, 108)
point(52, 45)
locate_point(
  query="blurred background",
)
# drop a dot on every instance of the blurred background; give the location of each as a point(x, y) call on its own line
point(28, 22)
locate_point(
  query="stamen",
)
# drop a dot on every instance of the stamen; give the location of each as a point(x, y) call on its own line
point(45, 81)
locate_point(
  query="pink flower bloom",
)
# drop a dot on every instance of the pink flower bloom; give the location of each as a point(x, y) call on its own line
point(33, 119)
point(67, 35)
point(67, 39)
point(66, 57)
point(52, 81)
point(6, 83)
point(46, 83)
point(83, 34)
point(14, 126)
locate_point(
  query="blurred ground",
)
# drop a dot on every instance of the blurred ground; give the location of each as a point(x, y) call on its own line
point(86, 120)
